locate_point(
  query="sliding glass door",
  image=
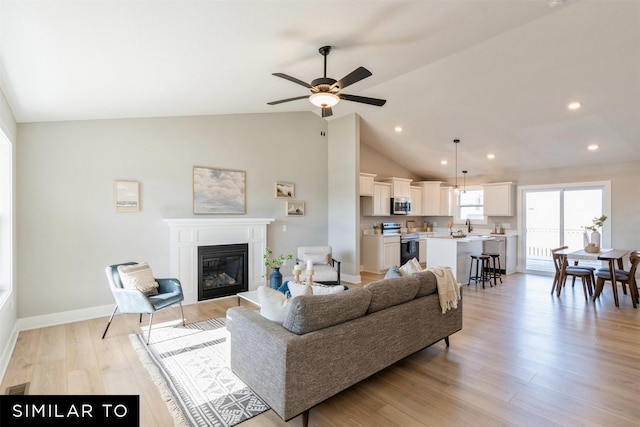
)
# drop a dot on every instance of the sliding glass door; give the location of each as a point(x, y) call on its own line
point(555, 217)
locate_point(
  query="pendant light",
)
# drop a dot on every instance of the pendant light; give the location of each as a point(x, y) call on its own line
point(456, 142)
point(464, 182)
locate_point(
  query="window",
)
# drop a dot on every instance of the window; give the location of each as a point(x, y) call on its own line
point(470, 205)
point(6, 212)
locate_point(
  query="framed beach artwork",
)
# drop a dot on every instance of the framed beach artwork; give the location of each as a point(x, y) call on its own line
point(295, 208)
point(285, 190)
point(218, 191)
point(127, 196)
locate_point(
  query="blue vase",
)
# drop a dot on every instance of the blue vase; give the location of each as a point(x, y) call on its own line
point(275, 280)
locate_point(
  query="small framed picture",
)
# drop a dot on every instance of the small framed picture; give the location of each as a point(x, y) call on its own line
point(295, 208)
point(127, 196)
point(285, 190)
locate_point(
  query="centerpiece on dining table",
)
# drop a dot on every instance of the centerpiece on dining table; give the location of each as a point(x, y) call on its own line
point(592, 243)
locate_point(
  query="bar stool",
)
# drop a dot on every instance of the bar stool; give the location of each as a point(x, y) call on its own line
point(482, 266)
point(496, 267)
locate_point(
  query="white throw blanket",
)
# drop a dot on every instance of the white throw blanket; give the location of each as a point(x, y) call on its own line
point(448, 288)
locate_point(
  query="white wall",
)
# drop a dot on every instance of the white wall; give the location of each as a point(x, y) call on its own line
point(8, 299)
point(68, 231)
point(344, 201)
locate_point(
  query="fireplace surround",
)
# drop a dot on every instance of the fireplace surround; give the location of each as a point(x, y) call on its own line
point(186, 235)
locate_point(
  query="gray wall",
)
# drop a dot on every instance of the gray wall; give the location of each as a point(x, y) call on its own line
point(68, 231)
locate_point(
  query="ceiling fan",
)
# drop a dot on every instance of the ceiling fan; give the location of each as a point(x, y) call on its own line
point(325, 91)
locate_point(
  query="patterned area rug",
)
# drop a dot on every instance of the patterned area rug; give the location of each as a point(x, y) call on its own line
point(189, 366)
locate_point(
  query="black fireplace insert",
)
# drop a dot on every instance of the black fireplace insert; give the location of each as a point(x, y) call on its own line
point(222, 270)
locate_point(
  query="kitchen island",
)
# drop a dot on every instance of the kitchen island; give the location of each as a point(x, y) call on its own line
point(455, 253)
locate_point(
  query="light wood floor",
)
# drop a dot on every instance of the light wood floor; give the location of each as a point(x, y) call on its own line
point(523, 358)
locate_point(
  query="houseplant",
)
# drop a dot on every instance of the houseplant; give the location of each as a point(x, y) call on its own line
point(274, 263)
point(595, 234)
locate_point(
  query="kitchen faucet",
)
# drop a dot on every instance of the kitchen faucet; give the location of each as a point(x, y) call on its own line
point(468, 223)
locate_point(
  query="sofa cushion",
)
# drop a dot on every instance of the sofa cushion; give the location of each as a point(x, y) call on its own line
point(428, 283)
point(327, 289)
point(410, 267)
point(310, 313)
point(274, 305)
point(393, 272)
point(389, 292)
point(298, 289)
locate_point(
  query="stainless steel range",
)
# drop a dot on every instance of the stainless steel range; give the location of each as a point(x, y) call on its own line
point(409, 242)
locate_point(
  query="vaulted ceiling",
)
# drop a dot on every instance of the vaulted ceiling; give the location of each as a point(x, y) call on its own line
point(496, 74)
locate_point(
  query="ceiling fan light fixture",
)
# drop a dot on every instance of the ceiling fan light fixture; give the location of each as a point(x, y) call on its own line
point(324, 99)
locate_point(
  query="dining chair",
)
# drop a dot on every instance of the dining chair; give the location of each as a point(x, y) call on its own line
point(622, 276)
point(563, 270)
point(557, 279)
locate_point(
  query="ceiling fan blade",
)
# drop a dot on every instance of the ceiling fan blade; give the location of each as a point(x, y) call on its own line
point(351, 78)
point(287, 100)
point(292, 79)
point(326, 112)
point(363, 99)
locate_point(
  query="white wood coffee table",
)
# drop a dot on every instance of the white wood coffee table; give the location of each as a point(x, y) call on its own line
point(250, 296)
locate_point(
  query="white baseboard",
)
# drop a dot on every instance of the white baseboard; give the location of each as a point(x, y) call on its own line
point(6, 354)
point(350, 278)
point(53, 319)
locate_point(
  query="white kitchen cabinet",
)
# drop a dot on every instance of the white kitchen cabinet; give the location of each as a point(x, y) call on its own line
point(391, 251)
point(366, 184)
point(379, 252)
point(499, 199)
point(422, 247)
point(507, 247)
point(446, 201)
point(400, 187)
point(416, 201)
point(380, 203)
point(430, 197)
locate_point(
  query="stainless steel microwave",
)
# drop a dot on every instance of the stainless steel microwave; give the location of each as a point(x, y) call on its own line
point(401, 206)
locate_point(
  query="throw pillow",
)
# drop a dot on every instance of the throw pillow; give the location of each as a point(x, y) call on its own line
point(284, 288)
point(274, 305)
point(297, 289)
point(138, 277)
point(327, 289)
point(392, 272)
point(410, 267)
point(317, 259)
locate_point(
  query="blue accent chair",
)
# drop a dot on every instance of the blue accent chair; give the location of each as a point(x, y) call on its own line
point(134, 301)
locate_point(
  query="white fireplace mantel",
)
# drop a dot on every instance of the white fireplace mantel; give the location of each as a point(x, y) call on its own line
point(186, 234)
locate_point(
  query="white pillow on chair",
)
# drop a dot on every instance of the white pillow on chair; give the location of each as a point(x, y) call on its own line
point(138, 277)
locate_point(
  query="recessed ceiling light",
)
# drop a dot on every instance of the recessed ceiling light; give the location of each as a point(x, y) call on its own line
point(398, 129)
point(443, 162)
point(593, 147)
point(574, 105)
point(491, 156)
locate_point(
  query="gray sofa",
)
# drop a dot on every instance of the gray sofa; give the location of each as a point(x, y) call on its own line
point(330, 342)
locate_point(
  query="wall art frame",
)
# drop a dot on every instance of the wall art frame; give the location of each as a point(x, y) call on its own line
point(126, 195)
point(218, 191)
point(295, 208)
point(285, 190)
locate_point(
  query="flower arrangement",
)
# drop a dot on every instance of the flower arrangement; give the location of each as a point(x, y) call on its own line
point(597, 223)
point(272, 262)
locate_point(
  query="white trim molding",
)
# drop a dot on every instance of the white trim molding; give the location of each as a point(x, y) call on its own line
point(186, 234)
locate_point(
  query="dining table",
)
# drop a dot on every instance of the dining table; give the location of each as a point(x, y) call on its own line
point(614, 257)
